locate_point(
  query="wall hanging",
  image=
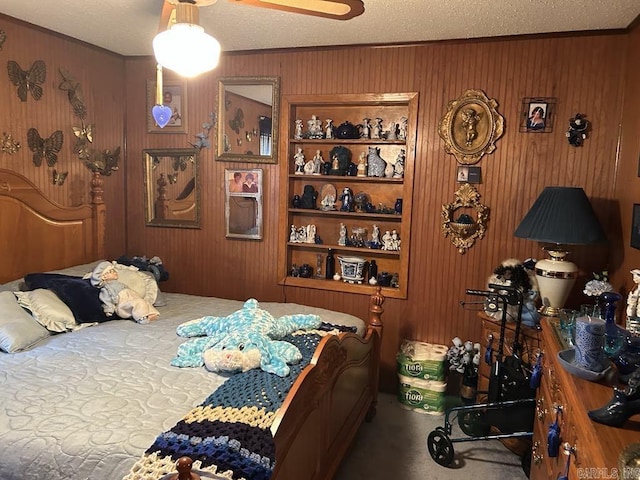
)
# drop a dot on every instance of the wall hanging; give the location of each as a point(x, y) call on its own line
point(537, 115)
point(28, 80)
point(471, 127)
point(458, 222)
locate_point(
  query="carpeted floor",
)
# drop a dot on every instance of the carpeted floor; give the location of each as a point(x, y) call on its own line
point(394, 446)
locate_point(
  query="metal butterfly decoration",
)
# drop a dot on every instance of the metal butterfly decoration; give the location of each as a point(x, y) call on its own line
point(59, 177)
point(173, 177)
point(74, 92)
point(104, 162)
point(3, 37)
point(28, 80)
point(180, 162)
point(203, 137)
point(84, 136)
point(46, 148)
point(237, 122)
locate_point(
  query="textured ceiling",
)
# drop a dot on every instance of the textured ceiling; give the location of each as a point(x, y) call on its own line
point(127, 27)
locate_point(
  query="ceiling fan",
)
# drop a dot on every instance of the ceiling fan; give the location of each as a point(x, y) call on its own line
point(334, 9)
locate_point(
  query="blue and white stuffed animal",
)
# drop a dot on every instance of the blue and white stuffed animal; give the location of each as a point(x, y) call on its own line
point(247, 338)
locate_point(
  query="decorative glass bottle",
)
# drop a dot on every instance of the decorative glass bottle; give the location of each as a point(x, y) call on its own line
point(330, 268)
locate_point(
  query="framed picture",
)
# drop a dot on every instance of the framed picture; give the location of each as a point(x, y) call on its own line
point(174, 96)
point(537, 115)
point(243, 205)
point(635, 226)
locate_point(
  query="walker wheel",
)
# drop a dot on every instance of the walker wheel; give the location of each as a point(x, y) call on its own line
point(473, 423)
point(440, 447)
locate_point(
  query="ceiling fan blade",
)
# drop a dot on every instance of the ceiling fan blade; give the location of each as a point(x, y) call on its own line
point(168, 9)
point(335, 9)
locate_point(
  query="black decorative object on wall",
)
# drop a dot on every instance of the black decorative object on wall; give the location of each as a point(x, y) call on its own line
point(635, 226)
point(578, 128)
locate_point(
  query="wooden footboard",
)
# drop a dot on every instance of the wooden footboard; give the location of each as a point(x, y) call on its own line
point(332, 396)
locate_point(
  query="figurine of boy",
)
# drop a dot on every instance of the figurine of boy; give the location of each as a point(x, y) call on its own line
point(299, 161)
point(118, 298)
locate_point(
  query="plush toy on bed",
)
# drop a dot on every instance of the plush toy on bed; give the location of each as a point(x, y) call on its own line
point(246, 339)
point(119, 298)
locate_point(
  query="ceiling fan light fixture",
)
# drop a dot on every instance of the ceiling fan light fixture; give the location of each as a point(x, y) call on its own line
point(335, 9)
point(185, 47)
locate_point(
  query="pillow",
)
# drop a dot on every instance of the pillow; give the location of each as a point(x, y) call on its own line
point(18, 329)
point(141, 282)
point(77, 293)
point(50, 312)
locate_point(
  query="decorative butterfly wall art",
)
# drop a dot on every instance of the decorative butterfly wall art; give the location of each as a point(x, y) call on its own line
point(28, 80)
point(59, 177)
point(173, 177)
point(84, 136)
point(237, 122)
point(3, 37)
point(46, 148)
point(74, 92)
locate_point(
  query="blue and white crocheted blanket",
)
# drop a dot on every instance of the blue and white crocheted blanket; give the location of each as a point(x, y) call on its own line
point(229, 433)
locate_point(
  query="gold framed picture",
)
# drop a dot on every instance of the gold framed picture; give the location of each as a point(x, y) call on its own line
point(174, 96)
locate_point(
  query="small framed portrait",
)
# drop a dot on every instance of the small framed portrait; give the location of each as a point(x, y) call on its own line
point(463, 174)
point(635, 226)
point(174, 96)
point(243, 205)
point(537, 115)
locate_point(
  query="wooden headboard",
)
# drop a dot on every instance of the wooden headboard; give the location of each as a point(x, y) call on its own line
point(38, 235)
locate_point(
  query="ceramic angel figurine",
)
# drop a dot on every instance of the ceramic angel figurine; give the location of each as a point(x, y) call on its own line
point(118, 298)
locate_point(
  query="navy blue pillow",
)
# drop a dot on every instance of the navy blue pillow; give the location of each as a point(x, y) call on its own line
point(77, 293)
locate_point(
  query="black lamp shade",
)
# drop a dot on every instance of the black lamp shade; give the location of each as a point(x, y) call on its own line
point(562, 215)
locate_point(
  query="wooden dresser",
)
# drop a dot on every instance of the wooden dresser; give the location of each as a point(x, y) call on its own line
point(595, 447)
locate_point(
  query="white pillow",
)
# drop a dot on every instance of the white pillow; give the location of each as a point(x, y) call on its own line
point(50, 312)
point(18, 329)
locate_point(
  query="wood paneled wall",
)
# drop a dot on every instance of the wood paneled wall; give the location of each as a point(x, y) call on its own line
point(100, 75)
point(594, 75)
point(585, 74)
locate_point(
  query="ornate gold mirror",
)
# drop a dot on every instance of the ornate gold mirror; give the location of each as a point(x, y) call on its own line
point(172, 188)
point(471, 127)
point(248, 119)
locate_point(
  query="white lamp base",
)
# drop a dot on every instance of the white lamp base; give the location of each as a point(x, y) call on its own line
point(556, 278)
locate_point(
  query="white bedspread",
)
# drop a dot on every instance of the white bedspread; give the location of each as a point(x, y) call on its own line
point(86, 404)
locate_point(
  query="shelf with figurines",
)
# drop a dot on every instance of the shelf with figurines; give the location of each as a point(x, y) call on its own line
point(381, 164)
point(349, 165)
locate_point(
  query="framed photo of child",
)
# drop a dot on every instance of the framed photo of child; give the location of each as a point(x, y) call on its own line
point(174, 96)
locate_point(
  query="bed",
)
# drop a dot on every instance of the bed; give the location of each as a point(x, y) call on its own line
point(90, 403)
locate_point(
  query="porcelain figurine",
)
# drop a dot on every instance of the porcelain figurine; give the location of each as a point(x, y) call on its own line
point(299, 162)
point(365, 128)
point(328, 129)
point(402, 128)
point(376, 164)
point(298, 132)
point(362, 165)
point(314, 127)
point(376, 131)
point(398, 167)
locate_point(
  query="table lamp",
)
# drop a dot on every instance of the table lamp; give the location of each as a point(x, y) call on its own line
point(560, 216)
